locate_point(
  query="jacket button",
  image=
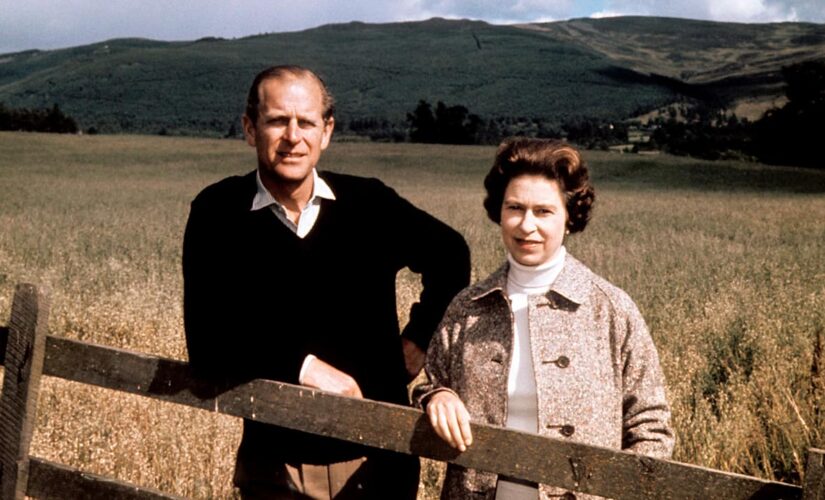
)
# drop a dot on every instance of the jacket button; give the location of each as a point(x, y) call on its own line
point(567, 430)
point(568, 496)
point(563, 362)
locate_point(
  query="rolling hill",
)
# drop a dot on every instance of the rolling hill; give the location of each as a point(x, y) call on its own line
point(552, 72)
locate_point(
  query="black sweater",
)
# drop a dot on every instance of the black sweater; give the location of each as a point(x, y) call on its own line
point(258, 299)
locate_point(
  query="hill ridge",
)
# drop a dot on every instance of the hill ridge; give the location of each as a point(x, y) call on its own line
point(610, 69)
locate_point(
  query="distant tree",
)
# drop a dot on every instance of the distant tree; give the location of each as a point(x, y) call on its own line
point(447, 125)
point(36, 120)
point(57, 122)
point(232, 132)
point(422, 123)
point(593, 133)
point(378, 129)
point(792, 135)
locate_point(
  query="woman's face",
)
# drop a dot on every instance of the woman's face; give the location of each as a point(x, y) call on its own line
point(533, 219)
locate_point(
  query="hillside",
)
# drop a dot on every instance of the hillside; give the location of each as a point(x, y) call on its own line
point(607, 68)
point(733, 62)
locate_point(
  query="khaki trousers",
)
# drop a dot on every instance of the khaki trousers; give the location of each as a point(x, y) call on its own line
point(362, 478)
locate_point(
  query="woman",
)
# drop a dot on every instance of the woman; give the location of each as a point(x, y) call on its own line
point(543, 344)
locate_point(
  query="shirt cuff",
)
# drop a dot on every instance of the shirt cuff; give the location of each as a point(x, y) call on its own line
point(307, 361)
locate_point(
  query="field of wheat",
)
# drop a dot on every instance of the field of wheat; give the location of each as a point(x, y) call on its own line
point(726, 261)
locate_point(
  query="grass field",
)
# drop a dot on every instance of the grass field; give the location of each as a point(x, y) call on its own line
point(726, 262)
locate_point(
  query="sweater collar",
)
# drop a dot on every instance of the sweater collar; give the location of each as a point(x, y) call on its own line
point(573, 283)
point(263, 198)
point(535, 277)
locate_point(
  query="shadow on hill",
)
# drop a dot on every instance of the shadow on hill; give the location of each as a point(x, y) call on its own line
point(689, 174)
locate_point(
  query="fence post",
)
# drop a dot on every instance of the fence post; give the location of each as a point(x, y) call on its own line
point(814, 485)
point(25, 350)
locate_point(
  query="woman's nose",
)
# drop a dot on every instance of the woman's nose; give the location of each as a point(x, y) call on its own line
point(528, 222)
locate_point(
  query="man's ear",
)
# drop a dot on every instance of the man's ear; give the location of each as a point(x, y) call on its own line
point(248, 130)
point(329, 126)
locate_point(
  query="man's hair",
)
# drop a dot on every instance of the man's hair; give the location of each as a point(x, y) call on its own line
point(287, 71)
point(555, 160)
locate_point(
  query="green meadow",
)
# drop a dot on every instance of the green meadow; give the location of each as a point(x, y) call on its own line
point(726, 261)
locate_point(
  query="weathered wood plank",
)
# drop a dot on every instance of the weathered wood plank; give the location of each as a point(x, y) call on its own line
point(25, 349)
point(52, 481)
point(574, 466)
point(814, 486)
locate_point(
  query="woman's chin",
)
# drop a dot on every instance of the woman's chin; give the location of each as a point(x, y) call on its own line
point(529, 259)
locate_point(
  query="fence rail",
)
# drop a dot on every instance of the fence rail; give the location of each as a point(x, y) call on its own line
point(27, 351)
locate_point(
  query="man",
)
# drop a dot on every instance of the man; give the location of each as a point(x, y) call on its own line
point(289, 274)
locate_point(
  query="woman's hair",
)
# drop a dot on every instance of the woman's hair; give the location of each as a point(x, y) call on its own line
point(554, 159)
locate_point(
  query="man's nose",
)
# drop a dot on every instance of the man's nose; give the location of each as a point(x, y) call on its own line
point(293, 131)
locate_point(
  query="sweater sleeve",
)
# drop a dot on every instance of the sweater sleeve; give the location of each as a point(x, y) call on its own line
point(439, 254)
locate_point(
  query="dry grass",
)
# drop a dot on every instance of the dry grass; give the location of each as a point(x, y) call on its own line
point(725, 260)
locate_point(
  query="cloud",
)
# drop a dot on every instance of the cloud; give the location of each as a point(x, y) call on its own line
point(48, 24)
point(746, 11)
point(497, 11)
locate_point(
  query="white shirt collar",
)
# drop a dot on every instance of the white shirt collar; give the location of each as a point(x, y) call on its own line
point(263, 198)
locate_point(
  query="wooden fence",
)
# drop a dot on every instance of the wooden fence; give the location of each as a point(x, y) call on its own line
point(28, 352)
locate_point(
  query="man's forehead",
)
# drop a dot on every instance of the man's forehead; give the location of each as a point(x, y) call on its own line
point(281, 82)
point(294, 93)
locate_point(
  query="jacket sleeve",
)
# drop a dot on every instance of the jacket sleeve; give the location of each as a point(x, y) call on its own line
point(439, 254)
point(440, 356)
point(646, 425)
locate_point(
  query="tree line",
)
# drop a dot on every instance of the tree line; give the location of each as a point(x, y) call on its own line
point(789, 135)
point(36, 120)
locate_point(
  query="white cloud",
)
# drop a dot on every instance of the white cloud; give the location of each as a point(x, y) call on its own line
point(746, 11)
point(607, 13)
point(498, 11)
point(749, 11)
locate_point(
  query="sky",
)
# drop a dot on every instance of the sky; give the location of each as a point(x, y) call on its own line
point(50, 24)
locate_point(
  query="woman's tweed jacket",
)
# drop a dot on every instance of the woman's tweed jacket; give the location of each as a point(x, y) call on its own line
point(597, 371)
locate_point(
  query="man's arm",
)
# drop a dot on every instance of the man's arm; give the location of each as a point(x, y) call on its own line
point(440, 255)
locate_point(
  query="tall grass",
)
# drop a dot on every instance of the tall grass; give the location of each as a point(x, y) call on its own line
point(724, 259)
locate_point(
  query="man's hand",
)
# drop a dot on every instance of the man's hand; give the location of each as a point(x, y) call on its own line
point(414, 358)
point(450, 419)
point(326, 377)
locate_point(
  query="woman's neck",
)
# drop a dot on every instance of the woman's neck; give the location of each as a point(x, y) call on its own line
point(534, 279)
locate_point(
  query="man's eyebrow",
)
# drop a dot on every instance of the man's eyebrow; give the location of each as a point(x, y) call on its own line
point(270, 114)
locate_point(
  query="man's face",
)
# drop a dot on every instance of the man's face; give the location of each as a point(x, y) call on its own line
point(290, 131)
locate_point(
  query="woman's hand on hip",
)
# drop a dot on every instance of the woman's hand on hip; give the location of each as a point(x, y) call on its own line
point(450, 419)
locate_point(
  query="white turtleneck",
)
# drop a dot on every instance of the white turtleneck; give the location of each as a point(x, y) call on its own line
point(522, 403)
